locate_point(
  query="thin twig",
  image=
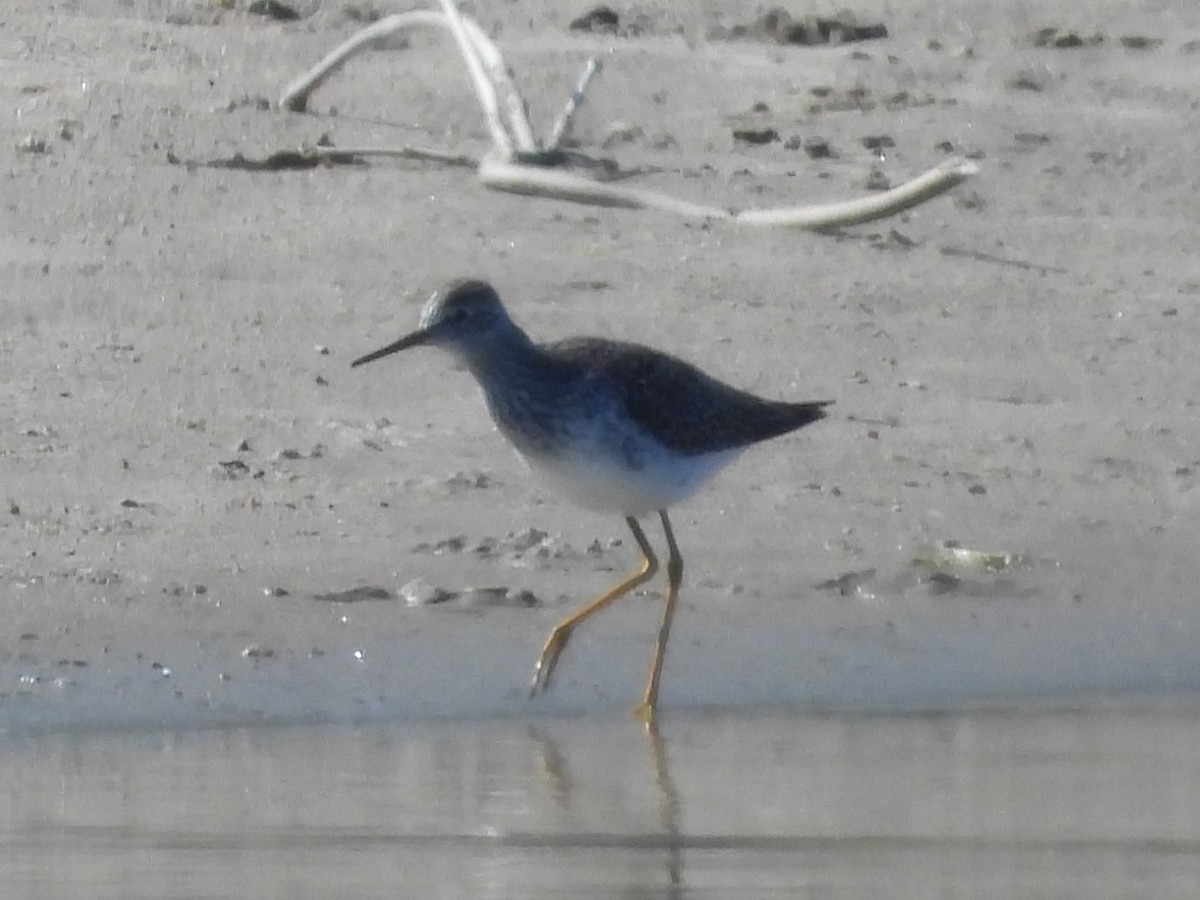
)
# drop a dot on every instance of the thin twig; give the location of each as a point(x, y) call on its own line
point(983, 256)
point(562, 126)
point(418, 153)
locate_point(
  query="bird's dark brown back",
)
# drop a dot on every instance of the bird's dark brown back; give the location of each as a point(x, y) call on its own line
point(689, 411)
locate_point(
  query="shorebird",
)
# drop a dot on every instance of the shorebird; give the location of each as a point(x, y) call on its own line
point(615, 427)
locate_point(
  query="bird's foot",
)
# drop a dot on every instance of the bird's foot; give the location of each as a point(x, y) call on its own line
point(645, 712)
point(544, 668)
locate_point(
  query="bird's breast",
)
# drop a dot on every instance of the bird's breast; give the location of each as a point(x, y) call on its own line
point(577, 437)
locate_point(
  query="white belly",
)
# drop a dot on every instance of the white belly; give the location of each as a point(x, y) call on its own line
point(602, 485)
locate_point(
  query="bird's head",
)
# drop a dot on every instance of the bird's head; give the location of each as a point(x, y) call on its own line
point(464, 317)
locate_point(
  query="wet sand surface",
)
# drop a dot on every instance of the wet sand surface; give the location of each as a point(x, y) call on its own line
point(207, 521)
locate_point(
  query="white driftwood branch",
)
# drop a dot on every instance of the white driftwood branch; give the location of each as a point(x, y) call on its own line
point(483, 51)
point(479, 53)
point(865, 209)
point(556, 184)
point(512, 139)
point(295, 95)
point(560, 185)
point(491, 58)
point(485, 88)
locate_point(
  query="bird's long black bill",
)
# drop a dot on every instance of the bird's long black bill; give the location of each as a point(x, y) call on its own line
point(409, 340)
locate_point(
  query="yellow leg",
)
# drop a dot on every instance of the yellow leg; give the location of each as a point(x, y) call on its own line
point(557, 642)
point(645, 711)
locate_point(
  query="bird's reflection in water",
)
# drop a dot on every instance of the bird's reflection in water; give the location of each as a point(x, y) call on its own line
point(670, 808)
point(565, 785)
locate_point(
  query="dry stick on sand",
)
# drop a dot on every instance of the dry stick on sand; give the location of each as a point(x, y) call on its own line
point(503, 168)
point(562, 126)
point(454, 160)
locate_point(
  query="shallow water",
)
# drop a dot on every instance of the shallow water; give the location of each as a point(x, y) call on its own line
point(1100, 802)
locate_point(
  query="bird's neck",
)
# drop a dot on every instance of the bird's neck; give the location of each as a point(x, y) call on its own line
point(504, 359)
point(523, 386)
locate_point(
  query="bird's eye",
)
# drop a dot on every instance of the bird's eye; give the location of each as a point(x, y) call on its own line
point(459, 315)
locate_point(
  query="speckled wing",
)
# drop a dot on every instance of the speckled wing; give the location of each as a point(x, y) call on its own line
point(688, 411)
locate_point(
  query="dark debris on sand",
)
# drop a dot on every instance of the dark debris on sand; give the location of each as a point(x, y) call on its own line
point(778, 25)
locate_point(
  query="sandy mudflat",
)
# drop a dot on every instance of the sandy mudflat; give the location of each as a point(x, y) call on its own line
point(186, 460)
